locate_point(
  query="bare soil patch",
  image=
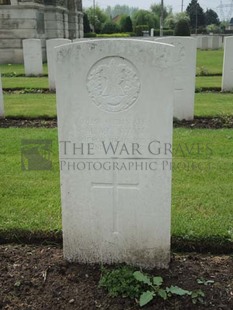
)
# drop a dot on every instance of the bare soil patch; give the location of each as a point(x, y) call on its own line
point(37, 277)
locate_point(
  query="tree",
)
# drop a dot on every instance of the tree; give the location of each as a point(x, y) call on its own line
point(144, 17)
point(211, 17)
point(86, 24)
point(182, 28)
point(156, 9)
point(126, 24)
point(172, 20)
point(120, 10)
point(109, 27)
point(196, 14)
point(97, 18)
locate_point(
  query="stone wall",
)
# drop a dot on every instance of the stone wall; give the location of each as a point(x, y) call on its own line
point(38, 19)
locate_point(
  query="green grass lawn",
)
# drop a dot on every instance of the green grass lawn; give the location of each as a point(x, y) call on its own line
point(42, 105)
point(25, 82)
point(202, 199)
point(210, 61)
point(208, 81)
point(17, 69)
point(30, 105)
point(213, 104)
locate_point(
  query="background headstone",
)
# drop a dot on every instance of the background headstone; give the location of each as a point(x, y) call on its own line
point(115, 91)
point(214, 42)
point(199, 41)
point(50, 47)
point(227, 77)
point(1, 100)
point(32, 54)
point(204, 43)
point(184, 75)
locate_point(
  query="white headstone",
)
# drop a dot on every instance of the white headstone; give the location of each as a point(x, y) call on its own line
point(50, 47)
point(214, 42)
point(204, 43)
point(221, 39)
point(115, 205)
point(199, 41)
point(184, 75)
point(227, 77)
point(1, 99)
point(32, 55)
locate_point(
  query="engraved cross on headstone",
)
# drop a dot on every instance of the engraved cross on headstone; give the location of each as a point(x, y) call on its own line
point(116, 187)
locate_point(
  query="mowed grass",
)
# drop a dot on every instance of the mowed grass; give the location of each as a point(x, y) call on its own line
point(202, 199)
point(30, 105)
point(25, 82)
point(44, 105)
point(30, 200)
point(17, 69)
point(213, 104)
point(208, 81)
point(210, 61)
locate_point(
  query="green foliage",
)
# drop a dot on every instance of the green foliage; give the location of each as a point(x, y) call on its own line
point(196, 14)
point(126, 24)
point(168, 32)
point(114, 35)
point(86, 24)
point(175, 290)
point(120, 10)
point(140, 28)
point(202, 71)
point(145, 298)
point(169, 22)
point(144, 17)
point(197, 296)
point(120, 282)
point(126, 283)
point(181, 16)
point(89, 35)
point(109, 27)
point(182, 28)
point(157, 8)
point(211, 17)
point(204, 282)
point(172, 20)
point(97, 18)
point(213, 28)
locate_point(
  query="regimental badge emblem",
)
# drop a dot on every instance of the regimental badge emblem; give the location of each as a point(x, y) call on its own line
point(113, 84)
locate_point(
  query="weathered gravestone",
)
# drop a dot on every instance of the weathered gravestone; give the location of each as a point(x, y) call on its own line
point(1, 100)
point(199, 41)
point(204, 43)
point(214, 42)
point(50, 48)
point(32, 55)
point(227, 77)
point(114, 103)
point(184, 75)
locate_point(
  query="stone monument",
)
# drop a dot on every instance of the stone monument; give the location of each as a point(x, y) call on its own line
point(115, 112)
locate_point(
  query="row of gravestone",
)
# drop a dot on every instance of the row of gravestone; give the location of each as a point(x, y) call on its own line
point(184, 66)
point(209, 42)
